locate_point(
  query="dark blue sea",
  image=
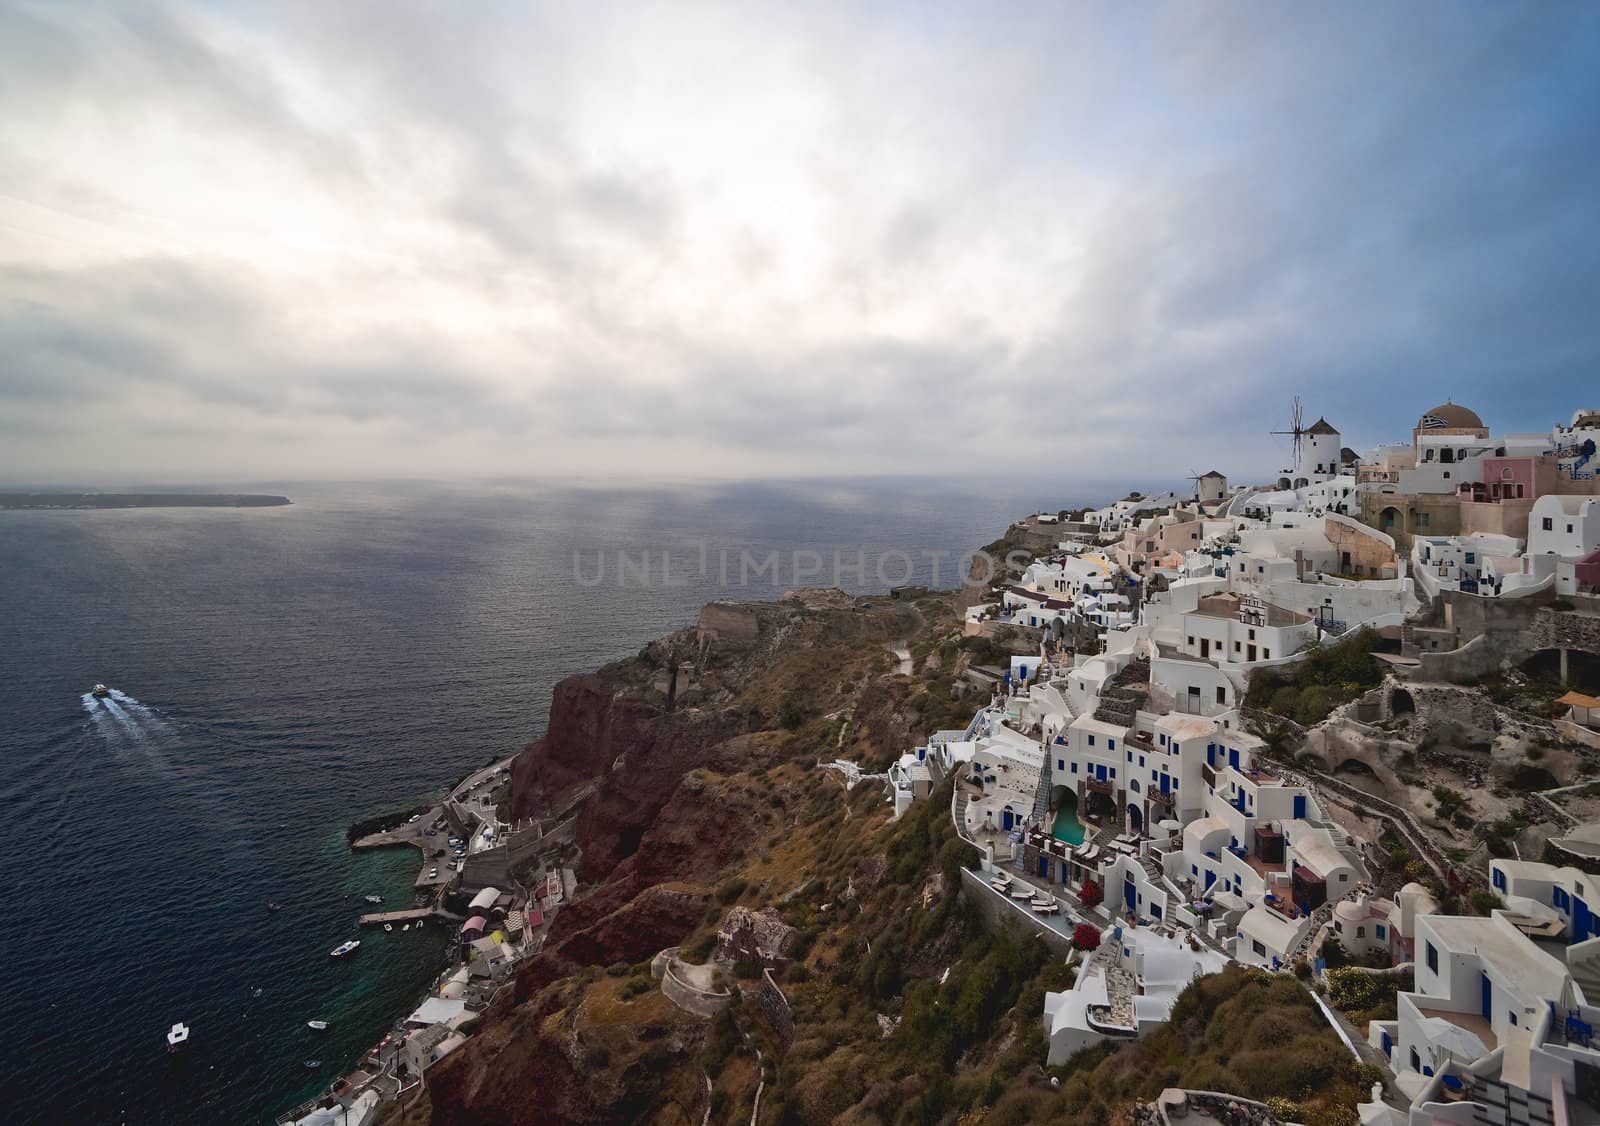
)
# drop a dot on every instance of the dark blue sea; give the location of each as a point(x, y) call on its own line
point(283, 671)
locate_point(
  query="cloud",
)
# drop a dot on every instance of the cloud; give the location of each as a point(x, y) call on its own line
point(380, 239)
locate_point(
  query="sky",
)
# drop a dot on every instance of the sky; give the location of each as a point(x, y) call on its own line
point(393, 239)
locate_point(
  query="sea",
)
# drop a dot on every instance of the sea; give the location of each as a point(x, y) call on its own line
point(281, 672)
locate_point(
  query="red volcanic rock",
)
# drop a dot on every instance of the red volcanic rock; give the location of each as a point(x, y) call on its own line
point(586, 718)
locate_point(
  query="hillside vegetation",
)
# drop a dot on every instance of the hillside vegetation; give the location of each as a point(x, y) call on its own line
point(906, 1009)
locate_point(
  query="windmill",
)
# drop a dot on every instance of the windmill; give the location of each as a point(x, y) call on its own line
point(1196, 478)
point(1296, 430)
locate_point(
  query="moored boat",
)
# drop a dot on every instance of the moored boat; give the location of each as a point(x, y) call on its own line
point(374, 898)
point(177, 1037)
point(317, 1025)
point(311, 1064)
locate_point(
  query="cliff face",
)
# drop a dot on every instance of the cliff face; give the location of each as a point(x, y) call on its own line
point(668, 802)
point(588, 722)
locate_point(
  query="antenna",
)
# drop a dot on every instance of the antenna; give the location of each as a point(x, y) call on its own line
point(1295, 430)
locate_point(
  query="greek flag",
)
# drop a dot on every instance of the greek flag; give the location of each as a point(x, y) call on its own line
point(1433, 422)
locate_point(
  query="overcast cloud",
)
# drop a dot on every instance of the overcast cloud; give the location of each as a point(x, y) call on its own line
point(379, 239)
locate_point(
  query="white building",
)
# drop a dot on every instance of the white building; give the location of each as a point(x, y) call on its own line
point(1496, 1029)
point(1562, 530)
point(1125, 991)
point(1535, 889)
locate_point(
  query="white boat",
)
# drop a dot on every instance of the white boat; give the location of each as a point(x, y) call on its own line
point(406, 927)
point(100, 692)
point(177, 1036)
point(388, 926)
point(344, 948)
point(317, 1025)
point(374, 898)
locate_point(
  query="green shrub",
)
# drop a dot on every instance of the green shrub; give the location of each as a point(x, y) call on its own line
point(1482, 901)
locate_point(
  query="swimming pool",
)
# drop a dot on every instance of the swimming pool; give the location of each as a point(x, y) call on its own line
point(1067, 827)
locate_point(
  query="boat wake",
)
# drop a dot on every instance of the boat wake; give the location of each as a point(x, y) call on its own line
point(125, 712)
point(127, 724)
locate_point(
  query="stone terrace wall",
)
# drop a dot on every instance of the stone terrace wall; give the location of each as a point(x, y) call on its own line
point(996, 913)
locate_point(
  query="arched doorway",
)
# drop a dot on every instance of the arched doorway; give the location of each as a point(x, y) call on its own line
point(1135, 818)
point(1389, 519)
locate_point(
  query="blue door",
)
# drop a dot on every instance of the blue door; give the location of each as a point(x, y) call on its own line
point(1233, 758)
point(1166, 783)
point(1299, 807)
point(1130, 895)
point(1582, 921)
point(1044, 866)
point(1211, 878)
point(1005, 819)
point(1488, 999)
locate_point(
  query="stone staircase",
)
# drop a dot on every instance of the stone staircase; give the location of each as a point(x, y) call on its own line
point(1152, 869)
point(1041, 794)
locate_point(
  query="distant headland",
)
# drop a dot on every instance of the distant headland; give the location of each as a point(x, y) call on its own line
point(140, 500)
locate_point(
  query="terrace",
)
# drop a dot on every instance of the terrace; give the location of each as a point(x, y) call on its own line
point(1468, 1022)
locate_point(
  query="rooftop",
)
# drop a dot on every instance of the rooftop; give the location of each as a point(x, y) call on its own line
point(1529, 971)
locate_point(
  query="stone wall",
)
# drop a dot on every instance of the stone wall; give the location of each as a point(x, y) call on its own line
point(487, 869)
point(997, 912)
point(770, 1002)
point(1401, 824)
point(1556, 852)
point(684, 993)
point(1560, 629)
point(729, 625)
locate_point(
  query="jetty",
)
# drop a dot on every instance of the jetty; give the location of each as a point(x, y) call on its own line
point(409, 915)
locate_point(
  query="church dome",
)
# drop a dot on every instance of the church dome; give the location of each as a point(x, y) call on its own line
point(1449, 416)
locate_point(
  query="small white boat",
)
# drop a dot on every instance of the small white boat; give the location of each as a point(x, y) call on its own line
point(100, 692)
point(374, 898)
point(406, 927)
point(177, 1036)
point(344, 948)
point(388, 926)
point(317, 1025)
